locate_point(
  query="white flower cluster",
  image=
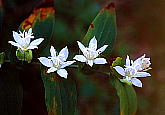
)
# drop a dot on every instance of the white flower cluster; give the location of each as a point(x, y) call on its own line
point(90, 56)
point(58, 62)
point(134, 69)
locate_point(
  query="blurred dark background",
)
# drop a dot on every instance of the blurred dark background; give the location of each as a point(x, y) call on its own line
point(140, 30)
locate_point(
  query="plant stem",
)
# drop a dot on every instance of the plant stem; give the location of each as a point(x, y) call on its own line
point(73, 66)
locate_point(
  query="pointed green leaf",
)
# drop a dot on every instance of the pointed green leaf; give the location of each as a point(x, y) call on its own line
point(103, 28)
point(42, 23)
point(126, 93)
point(127, 96)
point(60, 95)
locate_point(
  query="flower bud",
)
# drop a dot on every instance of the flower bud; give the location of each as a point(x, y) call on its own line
point(24, 55)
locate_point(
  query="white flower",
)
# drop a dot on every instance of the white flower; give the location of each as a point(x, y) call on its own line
point(130, 73)
point(142, 63)
point(25, 34)
point(23, 40)
point(57, 63)
point(90, 53)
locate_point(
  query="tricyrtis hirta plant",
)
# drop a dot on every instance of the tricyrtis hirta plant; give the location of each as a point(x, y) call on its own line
point(61, 94)
point(134, 69)
point(57, 62)
point(24, 43)
point(91, 53)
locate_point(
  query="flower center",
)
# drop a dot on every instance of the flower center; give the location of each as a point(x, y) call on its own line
point(127, 78)
point(56, 62)
point(90, 54)
point(130, 71)
point(25, 46)
point(145, 64)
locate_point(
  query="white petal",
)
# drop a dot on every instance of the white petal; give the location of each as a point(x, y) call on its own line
point(100, 61)
point(137, 66)
point(45, 61)
point(14, 44)
point(27, 40)
point(36, 42)
point(141, 74)
point(81, 46)
point(90, 62)
point(100, 50)
point(62, 73)
point(120, 70)
point(139, 60)
point(80, 58)
point(32, 47)
point(143, 56)
point(67, 63)
point(93, 43)
point(16, 36)
point(30, 31)
point(128, 61)
point(63, 54)
point(52, 69)
point(136, 82)
point(22, 42)
point(52, 51)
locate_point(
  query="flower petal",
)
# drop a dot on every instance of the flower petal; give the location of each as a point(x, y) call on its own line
point(63, 54)
point(139, 60)
point(80, 58)
point(93, 43)
point(67, 63)
point(100, 50)
point(141, 74)
point(136, 82)
point(27, 40)
point(16, 36)
point(52, 51)
point(90, 62)
point(36, 42)
point(30, 31)
point(81, 46)
point(128, 61)
point(14, 44)
point(62, 73)
point(100, 61)
point(45, 61)
point(32, 47)
point(120, 70)
point(52, 69)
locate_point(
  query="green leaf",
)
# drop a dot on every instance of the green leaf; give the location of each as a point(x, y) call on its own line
point(60, 95)
point(2, 57)
point(42, 23)
point(127, 96)
point(103, 28)
point(126, 93)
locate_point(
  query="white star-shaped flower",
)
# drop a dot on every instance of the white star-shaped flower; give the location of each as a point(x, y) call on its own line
point(57, 63)
point(23, 40)
point(90, 53)
point(130, 73)
point(142, 63)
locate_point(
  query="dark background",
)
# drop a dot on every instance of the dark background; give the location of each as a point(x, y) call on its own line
point(140, 30)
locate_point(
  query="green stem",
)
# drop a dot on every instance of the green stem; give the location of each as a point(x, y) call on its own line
point(73, 66)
